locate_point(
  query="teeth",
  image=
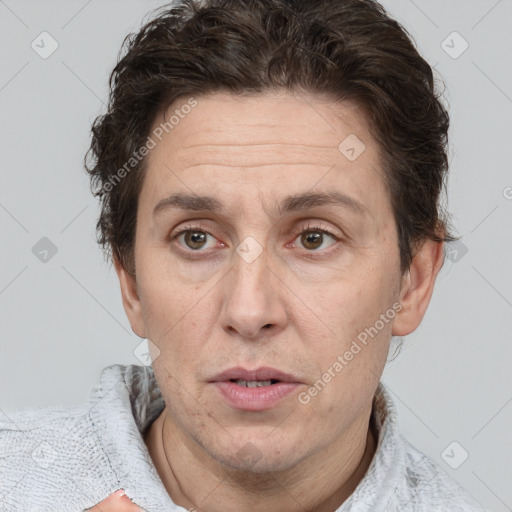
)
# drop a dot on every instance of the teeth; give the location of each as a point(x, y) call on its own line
point(253, 383)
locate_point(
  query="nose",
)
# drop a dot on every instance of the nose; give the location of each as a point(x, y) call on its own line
point(253, 306)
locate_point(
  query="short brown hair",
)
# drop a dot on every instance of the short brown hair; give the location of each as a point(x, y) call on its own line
point(346, 49)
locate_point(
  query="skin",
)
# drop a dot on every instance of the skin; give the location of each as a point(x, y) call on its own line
point(116, 502)
point(296, 307)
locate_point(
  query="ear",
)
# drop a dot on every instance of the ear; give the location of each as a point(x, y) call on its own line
point(418, 286)
point(131, 301)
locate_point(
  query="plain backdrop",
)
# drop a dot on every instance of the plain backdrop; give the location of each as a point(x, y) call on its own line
point(61, 315)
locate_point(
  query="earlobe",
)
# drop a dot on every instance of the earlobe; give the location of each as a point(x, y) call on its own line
point(418, 286)
point(131, 300)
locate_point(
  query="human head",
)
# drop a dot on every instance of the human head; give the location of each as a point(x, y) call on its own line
point(293, 76)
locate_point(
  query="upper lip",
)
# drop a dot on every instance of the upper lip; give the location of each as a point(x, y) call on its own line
point(262, 373)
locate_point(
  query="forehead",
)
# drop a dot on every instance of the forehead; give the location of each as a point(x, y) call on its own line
point(287, 141)
point(295, 119)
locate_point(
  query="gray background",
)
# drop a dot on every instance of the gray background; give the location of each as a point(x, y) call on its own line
point(62, 320)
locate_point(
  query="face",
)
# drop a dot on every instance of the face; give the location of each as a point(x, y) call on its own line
point(266, 252)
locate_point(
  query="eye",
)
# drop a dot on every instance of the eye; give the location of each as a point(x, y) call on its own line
point(195, 238)
point(316, 238)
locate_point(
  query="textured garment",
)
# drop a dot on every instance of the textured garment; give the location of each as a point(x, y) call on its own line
point(70, 459)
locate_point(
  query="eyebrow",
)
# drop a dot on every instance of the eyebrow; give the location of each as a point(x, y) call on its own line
point(293, 203)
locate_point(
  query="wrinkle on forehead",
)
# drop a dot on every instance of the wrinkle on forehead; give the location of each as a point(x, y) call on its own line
point(256, 155)
point(237, 117)
point(230, 131)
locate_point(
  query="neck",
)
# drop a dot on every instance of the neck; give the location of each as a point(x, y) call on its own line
point(194, 480)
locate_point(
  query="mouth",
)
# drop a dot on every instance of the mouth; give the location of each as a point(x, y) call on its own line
point(254, 383)
point(254, 390)
point(263, 376)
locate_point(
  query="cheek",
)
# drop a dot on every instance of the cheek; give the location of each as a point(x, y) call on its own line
point(346, 333)
point(182, 401)
point(175, 315)
point(165, 296)
point(345, 303)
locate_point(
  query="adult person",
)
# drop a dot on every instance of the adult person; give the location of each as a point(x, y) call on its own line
point(269, 174)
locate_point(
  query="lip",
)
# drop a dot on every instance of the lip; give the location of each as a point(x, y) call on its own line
point(254, 399)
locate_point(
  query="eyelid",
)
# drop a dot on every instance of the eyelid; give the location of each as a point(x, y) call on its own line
point(192, 227)
point(316, 226)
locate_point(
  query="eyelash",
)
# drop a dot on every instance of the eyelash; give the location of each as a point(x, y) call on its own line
point(315, 228)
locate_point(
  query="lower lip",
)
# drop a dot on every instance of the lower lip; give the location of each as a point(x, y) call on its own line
point(254, 399)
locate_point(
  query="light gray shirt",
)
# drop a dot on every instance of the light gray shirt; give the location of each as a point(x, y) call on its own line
point(55, 459)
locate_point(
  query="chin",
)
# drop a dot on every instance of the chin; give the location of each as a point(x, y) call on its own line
point(256, 456)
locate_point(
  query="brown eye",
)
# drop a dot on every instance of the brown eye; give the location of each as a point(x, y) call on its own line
point(195, 239)
point(312, 239)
